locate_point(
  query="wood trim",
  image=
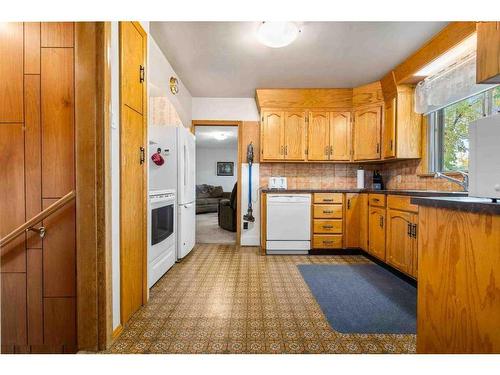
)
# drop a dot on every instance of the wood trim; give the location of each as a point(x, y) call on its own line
point(239, 124)
point(37, 218)
point(446, 39)
point(263, 223)
point(117, 332)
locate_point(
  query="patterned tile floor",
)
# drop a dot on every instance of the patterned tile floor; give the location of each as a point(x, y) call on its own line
point(227, 299)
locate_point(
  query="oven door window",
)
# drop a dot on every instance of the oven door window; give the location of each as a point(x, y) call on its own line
point(162, 223)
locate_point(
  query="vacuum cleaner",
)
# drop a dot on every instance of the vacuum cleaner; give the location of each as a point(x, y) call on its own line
point(249, 215)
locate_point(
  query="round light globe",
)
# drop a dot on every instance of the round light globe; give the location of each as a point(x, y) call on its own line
point(277, 34)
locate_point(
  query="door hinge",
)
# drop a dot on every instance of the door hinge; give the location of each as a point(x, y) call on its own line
point(141, 74)
point(306, 151)
point(142, 155)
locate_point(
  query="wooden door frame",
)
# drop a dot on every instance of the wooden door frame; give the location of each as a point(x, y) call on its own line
point(93, 185)
point(145, 291)
point(239, 124)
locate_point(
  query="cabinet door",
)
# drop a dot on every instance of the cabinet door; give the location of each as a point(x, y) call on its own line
point(367, 123)
point(352, 220)
point(318, 136)
point(295, 135)
point(132, 50)
point(272, 147)
point(376, 222)
point(399, 249)
point(488, 52)
point(389, 130)
point(340, 136)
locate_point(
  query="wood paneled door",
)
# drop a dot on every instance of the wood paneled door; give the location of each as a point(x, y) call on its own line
point(400, 246)
point(340, 136)
point(376, 236)
point(295, 135)
point(318, 136)
point(272, 135)
point(133, 193)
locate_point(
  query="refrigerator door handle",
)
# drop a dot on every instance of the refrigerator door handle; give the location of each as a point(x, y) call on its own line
point(185, 164)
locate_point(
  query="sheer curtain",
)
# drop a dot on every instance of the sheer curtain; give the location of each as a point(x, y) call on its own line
point(453, 84)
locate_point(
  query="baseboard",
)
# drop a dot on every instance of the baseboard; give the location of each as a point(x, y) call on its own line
point(389, 268)
point(350, 251)
point(117, 332)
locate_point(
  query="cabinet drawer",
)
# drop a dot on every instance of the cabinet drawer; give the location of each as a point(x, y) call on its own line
point(327, 241)
point(376, 200)
point(327, 211)
point(400, 202)
point(327, 197)
point(327, 226)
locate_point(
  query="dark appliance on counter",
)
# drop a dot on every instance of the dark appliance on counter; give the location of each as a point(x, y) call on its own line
point(378, 184)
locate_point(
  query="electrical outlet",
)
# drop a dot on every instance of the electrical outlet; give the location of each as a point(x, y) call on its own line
point(245, 225)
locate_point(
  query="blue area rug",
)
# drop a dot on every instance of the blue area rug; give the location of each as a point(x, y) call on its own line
point(362, 298)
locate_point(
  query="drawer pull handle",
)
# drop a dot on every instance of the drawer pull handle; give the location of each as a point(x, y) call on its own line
point(328, 212)
point(327, 226)
point(376, 199)
point(327, 200)
point(327, 241)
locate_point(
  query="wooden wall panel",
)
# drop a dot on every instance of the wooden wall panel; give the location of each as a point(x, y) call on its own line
point(13, 308)
point(32, 48)
point(367, 94)
point(57, 92)
point(33, 165)
point(59, 320)
point(12, 193)
point(34, 296)
point(11, 72)
point(57, 34)
point(340, 99)
point(250, 132)
point(59, 252)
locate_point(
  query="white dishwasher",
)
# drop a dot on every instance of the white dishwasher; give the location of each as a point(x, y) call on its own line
point(288, 224)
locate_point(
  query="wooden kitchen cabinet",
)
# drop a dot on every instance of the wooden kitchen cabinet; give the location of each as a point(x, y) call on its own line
point(356, 220)
point(401, 243)
point(283, 135)
point(295, 136)
point(488, 52)
point(318, 136)
point(329, 136)
point(376, 226)
point(366, 133)
point(401, 130)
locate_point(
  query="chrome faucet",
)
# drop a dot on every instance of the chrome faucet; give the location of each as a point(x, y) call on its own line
point(463, 183)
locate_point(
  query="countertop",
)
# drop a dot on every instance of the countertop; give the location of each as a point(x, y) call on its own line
point(469, 204)
point(415, 193)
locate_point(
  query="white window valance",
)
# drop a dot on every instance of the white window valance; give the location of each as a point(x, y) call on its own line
point(453, 84)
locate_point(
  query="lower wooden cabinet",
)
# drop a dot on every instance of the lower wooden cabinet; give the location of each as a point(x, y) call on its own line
point(327, 241)
point(376, 227)
point(356, 221)
point(327, 221)
point(401, 241)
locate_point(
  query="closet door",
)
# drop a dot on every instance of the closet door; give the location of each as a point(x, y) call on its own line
point(133, 192)
point(295, 135)
point(340, 136)
point(318, 136)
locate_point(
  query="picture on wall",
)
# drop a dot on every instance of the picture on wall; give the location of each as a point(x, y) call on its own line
point(225, 168)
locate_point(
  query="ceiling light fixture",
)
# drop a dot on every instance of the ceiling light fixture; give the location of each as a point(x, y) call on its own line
point(277, 34)
point(220, 136)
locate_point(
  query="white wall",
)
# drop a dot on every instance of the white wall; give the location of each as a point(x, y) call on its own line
point(206, 166)
point(160, 72)
point(240, 109)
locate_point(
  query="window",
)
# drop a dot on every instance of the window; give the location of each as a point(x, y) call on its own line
point(449, 130)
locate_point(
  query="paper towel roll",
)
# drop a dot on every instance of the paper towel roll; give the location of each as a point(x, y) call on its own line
point(361, 179)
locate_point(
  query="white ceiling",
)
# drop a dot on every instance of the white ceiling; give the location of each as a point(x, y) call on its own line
point(224, 59)
point(205, 136)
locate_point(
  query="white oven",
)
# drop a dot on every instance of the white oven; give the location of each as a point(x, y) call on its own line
point(162, 235)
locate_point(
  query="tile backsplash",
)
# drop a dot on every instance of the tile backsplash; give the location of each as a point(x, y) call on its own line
point(396, 175)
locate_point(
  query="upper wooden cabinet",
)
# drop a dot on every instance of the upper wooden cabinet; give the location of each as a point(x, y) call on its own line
point(340, 136)
point(401, 130)
point(295, 135)
point(272, 135)
point(318, 136)
point(11, 72)
point(366, 133)
point(283, 135)
point(488, 52)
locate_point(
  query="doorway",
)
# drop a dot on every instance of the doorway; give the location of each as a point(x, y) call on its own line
point(217, 176)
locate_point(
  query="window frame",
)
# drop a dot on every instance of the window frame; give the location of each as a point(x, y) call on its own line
point(435, 134)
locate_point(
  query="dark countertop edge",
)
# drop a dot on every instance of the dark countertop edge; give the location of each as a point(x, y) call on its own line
point(468, 204)
point(414, 193)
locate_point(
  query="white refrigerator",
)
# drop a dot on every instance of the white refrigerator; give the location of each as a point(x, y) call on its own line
point(177, 145)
